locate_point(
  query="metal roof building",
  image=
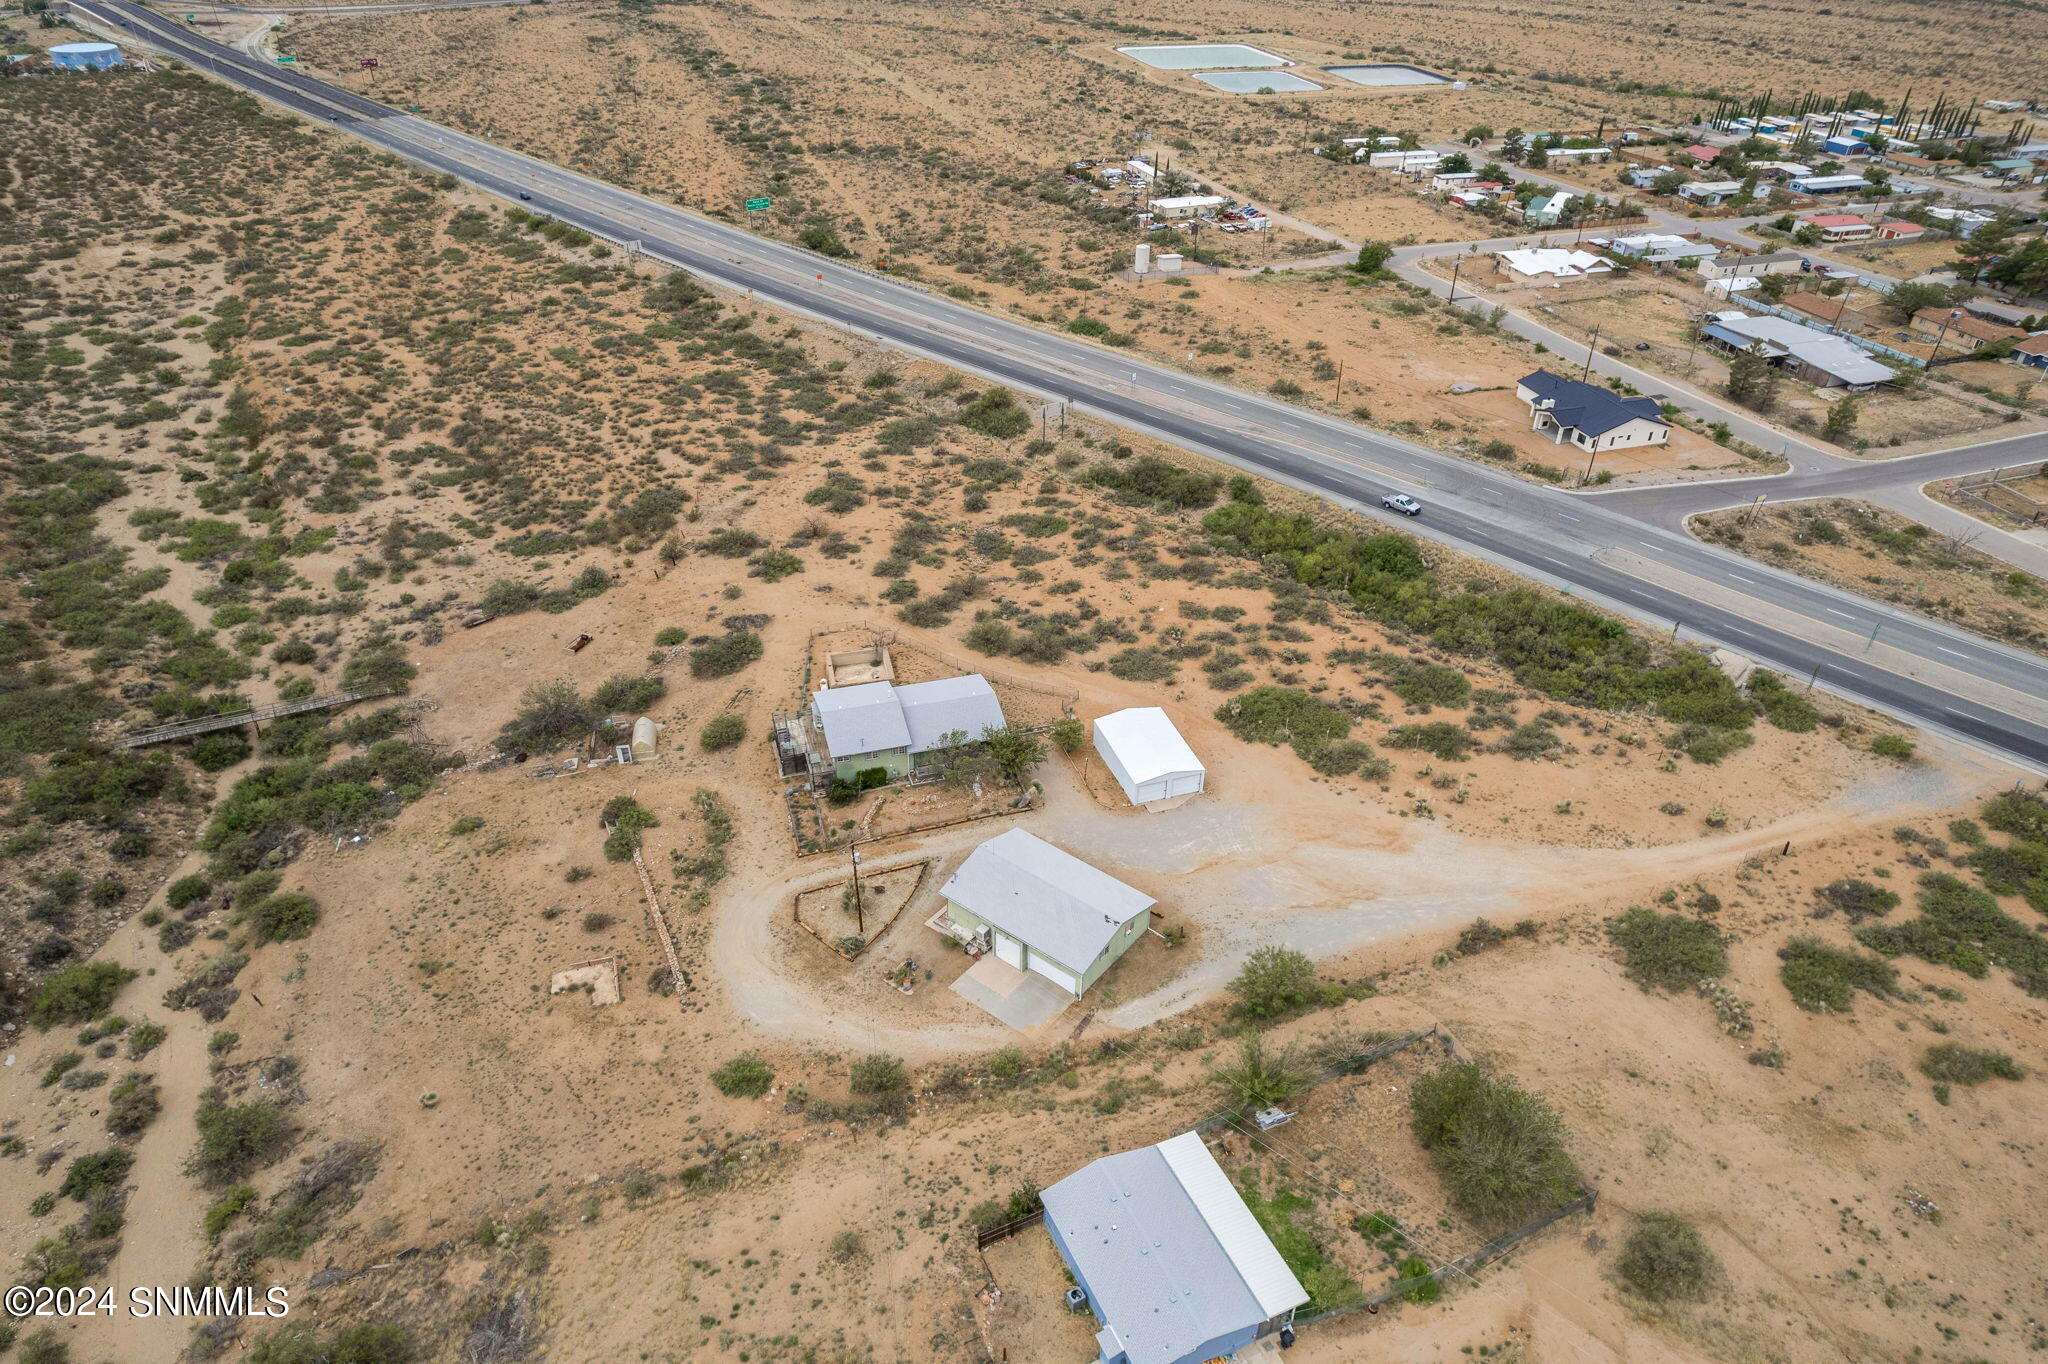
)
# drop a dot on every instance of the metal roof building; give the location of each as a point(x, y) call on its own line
point(877, 716)
point(1147, 756)
point(1045, 909)
point(1813, 355)
point(1173, 1263)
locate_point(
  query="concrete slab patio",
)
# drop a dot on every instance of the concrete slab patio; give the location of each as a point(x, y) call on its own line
point(1022, 999)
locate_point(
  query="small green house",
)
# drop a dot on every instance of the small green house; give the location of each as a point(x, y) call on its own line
point(879, 724)
point(1042, 909)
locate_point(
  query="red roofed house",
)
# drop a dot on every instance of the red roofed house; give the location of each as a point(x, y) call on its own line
point(1841, 227)
point(1702, 153)
point(1898, 231)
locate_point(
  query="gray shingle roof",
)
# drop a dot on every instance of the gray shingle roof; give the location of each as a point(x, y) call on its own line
point(1171, 1256)
point(1589, 407)
point(1045, 897)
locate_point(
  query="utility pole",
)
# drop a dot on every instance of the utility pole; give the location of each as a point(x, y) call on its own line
point(1339, 394)
point(1457, 264)
point(860, 922)
point(1591, 342)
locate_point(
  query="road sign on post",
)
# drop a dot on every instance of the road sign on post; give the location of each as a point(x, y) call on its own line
point(756, 205)
point(288, 59)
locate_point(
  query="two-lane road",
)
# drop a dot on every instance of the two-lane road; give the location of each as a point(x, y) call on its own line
point(1920, 670)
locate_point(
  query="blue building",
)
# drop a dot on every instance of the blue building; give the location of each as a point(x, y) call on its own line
point(1172, 1262)
point(85, 56)
point(1844, 146)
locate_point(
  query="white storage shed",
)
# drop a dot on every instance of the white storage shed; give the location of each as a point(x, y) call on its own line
point(1147, 756)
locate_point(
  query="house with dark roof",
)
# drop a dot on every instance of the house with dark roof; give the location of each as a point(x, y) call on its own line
point(1590, 416)
point(1168, 1256)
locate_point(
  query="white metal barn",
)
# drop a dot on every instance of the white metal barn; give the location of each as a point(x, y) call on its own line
point(1147, 756)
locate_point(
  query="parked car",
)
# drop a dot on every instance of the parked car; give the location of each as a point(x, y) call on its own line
point(1401, 503)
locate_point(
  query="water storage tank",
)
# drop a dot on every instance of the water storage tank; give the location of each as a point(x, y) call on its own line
point(85, 56)
point(1141, 261)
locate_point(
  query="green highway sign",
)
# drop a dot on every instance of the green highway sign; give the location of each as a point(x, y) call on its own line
point(287, 59)
point(756, 205)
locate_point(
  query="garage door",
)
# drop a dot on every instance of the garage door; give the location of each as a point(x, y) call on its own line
point(1154, 790)
point(1185, 784)
point(1058, 975)
point(1009, 950)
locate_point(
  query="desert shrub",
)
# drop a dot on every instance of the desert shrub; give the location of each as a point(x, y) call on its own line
point(1962, 926)
point(1948, 1063)
point(79, 993)
point(1417, 1282)
point(1666, 1259)
point(1532, 740)
point(1667, 951)
point(1275, 982)
point(1857, 899)
point(2021, 868)
point(2023, 814)
point(627, 818)
point(508, 597)
point(99, 788)
point(219, 751)
point(1782, 706)
point(1824, 979)
point(1348, 756)
point(1142, 665)
point(1897, 747)
point(1440, 739)
point(626, 695)
point(746, 1076)
point(132, 1105)
point(878, 1074)
point(550, 714)
point(363, 1343)
point(1068, 734)
point(187, 891)
point(100, 1172)
point(1154, 480)
point(236, 1138)
point(722, 732)
point(1277, 715)
point(283, 918)
point(1259, 1078)
point(725, 655)
point(995, 413)
point(1558, 647)
point(1499, 1149)
point(1482, 935)
point(1427, 684)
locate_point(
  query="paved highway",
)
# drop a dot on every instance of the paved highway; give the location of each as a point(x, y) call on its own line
point(1915, 668)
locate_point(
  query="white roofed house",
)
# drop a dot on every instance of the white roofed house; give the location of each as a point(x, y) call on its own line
point(1186, 205)
point(1147, 755)
point(1657, 248)
point(1172, 1262)
point(1550, 263)
point(879, 724)
point(1041, 909)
